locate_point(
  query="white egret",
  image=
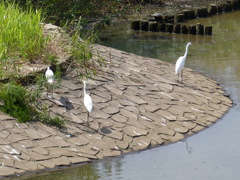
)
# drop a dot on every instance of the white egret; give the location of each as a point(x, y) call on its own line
point(50, 77)
point(87, 100)
point(180, 63)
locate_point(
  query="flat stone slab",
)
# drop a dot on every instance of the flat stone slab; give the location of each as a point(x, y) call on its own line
point(134, 131)
point(137, 104)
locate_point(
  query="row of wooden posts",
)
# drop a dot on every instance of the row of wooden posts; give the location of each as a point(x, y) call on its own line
point(198, 29)
point(171, 23)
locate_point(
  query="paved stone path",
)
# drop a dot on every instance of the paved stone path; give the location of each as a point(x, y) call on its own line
point(137, 105)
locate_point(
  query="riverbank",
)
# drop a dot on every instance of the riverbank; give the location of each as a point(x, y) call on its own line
point(137, 102)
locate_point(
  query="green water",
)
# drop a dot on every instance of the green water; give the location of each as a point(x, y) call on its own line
point(212, 153)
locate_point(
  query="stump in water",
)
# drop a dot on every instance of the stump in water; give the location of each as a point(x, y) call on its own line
point(161, 27)
point(169, 28)
point(231, 5)
point(235, 4)
point(184, 29)
point(177, 28)
point(153, 26)
point(202, 12)
point(220, 9)
point(208, 30)
point(213, 9)
point(158, 17)
point(135, 25)
point(144, 25)
point(169, 18)
point(226, 7)
point(192, 30)
point(189, 14)
point(200, 29)
point(179, 18)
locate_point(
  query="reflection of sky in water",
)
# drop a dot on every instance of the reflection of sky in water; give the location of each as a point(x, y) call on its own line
point(214, 151)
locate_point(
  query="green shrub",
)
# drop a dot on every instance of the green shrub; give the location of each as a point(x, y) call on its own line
point(15, 102)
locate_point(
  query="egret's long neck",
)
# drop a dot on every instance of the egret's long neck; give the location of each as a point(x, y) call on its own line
point(186, 52)
point(84, 88)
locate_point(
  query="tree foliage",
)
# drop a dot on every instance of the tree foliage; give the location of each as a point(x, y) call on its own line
point(60, 11)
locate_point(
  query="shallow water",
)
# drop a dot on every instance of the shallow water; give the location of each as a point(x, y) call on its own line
point(210, 154)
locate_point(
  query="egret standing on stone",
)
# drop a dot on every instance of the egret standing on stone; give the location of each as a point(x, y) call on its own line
point(87, 100)
point(180, 63)
point(50, 77)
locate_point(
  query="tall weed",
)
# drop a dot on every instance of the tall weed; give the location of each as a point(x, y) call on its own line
point(82, 51)
point(21, 35)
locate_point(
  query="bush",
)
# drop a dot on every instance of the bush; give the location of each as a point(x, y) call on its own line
point(15, 102)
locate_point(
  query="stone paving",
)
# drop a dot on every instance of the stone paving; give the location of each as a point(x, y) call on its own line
point(137, 104)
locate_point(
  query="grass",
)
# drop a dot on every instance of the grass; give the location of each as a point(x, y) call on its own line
point(21, 36)
point(15, 102)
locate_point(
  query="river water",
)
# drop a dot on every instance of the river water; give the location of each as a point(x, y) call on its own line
point(213, 153)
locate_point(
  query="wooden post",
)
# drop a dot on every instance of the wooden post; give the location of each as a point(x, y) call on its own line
point(169, 18)
point(192, 29)
point(158, 17)
point(238, 4)
point(179, 18)
point(184, 29)
point(235, 4)
point(189, 14)
point(153, 26)
point(144, 25)
point(200, 29)
point(169, 27)
point(192, 14)
point(225, 7)
point(230, 7)
point(161, 27)
point(186, 14)
point(213, 9)
point(135, 25)
point(208, 30)
point(177, 28)
point(220, 9)
point(202, 12)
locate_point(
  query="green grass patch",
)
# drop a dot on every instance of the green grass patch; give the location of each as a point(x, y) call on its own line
point(21, 35)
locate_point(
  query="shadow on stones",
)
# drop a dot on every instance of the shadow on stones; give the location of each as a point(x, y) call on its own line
point(105, 130)
point(66, 102)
